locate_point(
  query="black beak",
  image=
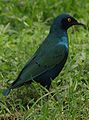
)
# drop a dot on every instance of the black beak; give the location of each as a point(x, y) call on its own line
point(78, 23)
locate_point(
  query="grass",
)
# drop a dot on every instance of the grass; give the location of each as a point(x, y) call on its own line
point(23, 26)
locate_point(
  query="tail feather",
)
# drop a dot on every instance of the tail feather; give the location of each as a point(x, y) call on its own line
point(6, 92)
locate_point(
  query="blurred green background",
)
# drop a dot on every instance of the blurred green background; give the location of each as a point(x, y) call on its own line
point(24, 24)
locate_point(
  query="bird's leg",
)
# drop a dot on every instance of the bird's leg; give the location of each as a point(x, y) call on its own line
point(52, 93)
point(48, 88)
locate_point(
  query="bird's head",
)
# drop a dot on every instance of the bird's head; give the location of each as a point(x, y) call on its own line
point(63, 22)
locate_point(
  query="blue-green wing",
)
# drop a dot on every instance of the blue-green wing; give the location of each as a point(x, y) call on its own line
point(41, 62)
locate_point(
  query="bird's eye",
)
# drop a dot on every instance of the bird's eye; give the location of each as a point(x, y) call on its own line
point(69, 19)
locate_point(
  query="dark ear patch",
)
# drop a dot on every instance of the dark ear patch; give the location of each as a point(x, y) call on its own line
point(66, 22)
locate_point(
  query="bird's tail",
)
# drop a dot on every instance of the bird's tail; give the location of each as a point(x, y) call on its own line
point(6, 92)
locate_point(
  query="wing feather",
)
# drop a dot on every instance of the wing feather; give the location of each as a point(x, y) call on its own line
point(43, 60)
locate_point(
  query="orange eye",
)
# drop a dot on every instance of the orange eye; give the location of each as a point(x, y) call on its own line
point(69, 19)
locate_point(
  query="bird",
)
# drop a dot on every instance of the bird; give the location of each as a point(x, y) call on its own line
point(50, 58)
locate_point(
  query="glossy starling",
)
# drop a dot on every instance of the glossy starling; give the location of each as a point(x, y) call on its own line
point(50, 57)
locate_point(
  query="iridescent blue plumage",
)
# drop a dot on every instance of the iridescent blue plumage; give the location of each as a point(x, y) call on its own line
point(50, 57)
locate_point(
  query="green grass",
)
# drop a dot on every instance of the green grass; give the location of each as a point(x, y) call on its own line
point(23, 26)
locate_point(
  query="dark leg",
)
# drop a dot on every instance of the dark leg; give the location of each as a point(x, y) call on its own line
point(48, 85)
